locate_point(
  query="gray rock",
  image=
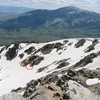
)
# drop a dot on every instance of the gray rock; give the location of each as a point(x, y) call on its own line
point(12, 96)
point(78, 92)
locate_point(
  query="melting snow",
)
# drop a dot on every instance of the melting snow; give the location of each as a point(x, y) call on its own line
point(92, 81)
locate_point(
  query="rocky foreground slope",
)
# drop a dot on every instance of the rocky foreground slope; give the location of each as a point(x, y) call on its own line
point(61, 70)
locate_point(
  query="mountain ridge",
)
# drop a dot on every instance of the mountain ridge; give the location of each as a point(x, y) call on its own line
point(49, 15)
point(49, 25)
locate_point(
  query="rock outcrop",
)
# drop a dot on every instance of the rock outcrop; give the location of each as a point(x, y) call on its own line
point(78, 92)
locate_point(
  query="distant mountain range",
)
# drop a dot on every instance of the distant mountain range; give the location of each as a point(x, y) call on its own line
point(13, 10)
point(47, 25)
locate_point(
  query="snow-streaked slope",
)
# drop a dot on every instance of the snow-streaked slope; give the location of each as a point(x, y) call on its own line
point(14, 73)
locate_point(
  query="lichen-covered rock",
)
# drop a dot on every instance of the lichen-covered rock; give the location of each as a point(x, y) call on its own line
point(43, 93)
point(46, 49)
point(12, 53)
point(32, 60)
point(62, 63)
point(80, 43)
point(41, 69)
point(92, 46)
point(29, 50)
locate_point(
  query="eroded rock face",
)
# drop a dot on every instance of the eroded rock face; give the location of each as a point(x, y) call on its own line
point(12, 96)
point(78, 92)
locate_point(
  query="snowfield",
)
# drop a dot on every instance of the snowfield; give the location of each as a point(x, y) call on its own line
point(55, 56)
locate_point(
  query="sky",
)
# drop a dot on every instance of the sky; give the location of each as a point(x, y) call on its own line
point(93, 5)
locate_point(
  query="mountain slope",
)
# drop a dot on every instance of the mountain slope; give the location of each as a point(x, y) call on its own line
point(44, 63)
point(76, 92)
point(47, 25)
point(9, 12)
point(74, 17)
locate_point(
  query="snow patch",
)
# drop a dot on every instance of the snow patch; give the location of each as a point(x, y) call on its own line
point(92, 81)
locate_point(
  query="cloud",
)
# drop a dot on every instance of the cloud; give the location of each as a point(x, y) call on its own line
point(93, 5)
point(63, 1)
point(35, 1)
point(49, 1)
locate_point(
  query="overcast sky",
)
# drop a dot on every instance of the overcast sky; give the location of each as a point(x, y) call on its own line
point(93, 5)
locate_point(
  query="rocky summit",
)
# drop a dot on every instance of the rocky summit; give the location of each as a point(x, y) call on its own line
point(67, 69)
